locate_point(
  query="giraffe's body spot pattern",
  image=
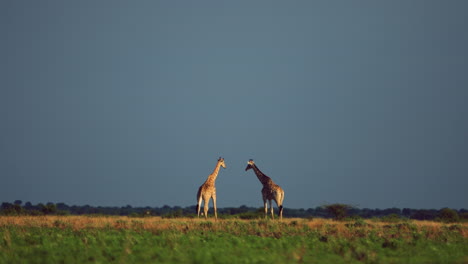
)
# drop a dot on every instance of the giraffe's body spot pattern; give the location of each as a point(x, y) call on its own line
point(272, 192)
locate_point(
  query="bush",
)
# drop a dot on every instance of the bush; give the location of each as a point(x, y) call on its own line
point(11, 209)
point(250, 215)
point(391, 218)
point(448, 215)
point(338, 211)
point(464, 216)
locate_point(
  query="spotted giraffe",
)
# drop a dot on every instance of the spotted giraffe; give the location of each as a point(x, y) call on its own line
point(270, 191)
point(208, 190)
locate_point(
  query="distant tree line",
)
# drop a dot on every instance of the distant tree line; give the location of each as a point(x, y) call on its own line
point(336, 211)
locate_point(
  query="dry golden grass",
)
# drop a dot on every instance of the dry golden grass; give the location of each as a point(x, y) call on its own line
point(324, 226)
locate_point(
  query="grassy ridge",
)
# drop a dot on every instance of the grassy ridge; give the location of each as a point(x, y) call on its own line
point(78, 239)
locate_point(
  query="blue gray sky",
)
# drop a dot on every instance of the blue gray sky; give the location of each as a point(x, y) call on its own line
point(132, 102)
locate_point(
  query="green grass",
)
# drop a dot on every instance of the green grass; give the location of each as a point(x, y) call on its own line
point(237, 241)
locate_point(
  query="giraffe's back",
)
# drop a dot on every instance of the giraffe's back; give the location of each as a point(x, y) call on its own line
point(207, 190)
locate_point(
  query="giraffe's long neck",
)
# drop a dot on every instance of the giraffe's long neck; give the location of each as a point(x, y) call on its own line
point(261, 177)
point(212, 177)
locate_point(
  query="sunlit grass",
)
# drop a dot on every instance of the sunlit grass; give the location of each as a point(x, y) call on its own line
point(342, 228)
point(121, 239)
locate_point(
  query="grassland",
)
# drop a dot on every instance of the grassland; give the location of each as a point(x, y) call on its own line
point(81, 239)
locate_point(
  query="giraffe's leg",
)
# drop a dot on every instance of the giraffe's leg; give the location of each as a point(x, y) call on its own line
point(214, 206)
point(205, 207)
point(271, 209)
point(266, 207)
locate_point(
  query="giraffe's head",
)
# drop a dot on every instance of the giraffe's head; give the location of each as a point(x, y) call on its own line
point(221, 162)
point(250, 164)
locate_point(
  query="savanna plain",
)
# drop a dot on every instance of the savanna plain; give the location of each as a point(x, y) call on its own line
point(108, 239)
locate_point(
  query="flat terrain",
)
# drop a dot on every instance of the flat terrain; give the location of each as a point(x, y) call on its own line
point(88, 239)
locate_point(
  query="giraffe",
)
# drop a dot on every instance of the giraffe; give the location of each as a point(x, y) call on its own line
point(270, 191)
point(208, 191)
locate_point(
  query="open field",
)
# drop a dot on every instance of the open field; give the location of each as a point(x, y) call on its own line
point(83, 239)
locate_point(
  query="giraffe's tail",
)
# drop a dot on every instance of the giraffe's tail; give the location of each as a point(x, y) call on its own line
point(280, 211)
point(198, 201)
point(280, 208)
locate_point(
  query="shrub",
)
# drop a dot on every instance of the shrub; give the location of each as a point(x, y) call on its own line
point(338, 211)
point(464, 216)
point(448, 215)
point(391, 218)
point(250, 215)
